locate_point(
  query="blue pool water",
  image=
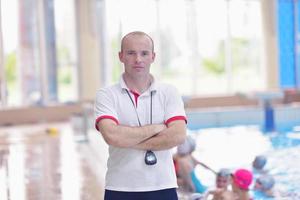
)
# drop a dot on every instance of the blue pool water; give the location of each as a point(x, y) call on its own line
point(235, 147)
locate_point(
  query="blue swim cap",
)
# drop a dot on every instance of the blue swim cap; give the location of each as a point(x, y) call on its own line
point(259, 162)
point(224, 172)
point(187, 147)
point(266, 182)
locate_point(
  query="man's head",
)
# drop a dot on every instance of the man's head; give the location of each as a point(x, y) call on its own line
point(136, 33)
point(223, 178)
point(137, 53)
point(259, 162)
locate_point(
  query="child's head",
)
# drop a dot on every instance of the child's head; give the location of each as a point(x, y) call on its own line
point(223, 178)
point(187, 147)
point(241, 179)
point(259, 162)
point(264, 183)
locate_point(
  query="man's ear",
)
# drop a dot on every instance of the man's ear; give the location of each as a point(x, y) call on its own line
point(153, 56)
point(121, 56)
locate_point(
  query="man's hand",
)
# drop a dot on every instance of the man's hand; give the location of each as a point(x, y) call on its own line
point(168, 138)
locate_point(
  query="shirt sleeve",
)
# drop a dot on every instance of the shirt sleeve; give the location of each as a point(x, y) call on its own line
point(174, 106)
point(104, 107)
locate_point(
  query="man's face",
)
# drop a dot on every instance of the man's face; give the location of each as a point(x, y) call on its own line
point(137, 55)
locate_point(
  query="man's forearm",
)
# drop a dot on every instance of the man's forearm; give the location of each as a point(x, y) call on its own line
point(167, 139)
point(126, 136)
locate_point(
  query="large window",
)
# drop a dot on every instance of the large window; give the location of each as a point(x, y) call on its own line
point(9, 21)
point(203, 47)
point(39, 52)
point(66, 50)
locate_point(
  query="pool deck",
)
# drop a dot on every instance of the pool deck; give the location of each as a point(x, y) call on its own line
point(45, 161)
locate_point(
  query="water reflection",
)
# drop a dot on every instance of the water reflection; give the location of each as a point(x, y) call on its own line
point(36, 164)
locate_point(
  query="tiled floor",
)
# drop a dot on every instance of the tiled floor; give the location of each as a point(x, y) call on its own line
point(48, 162)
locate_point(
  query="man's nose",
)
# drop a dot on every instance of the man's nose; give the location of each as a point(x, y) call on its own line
point(138, 58)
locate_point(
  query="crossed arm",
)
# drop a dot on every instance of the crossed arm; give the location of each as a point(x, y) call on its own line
point(148, 137)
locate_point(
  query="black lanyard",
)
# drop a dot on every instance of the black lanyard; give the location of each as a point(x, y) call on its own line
point(150, 158)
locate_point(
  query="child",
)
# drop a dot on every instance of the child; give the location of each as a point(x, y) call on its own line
point(258, 164)
point(222, 182)
point(185, 165)
point(263, 188)
point(241, 180)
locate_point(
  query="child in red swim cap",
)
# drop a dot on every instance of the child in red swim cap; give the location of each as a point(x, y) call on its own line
point(241, 180)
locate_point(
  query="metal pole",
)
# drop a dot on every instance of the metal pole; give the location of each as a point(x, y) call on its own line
point(158, 40)
point(3, 97)
point(51, 60)
point(103, 38)
point(43, 52)
point(78, 49)
point(228, 54)
point(48, 51)
point(192, 28)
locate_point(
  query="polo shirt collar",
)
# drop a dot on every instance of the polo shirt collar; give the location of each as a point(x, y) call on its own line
point(153, 86)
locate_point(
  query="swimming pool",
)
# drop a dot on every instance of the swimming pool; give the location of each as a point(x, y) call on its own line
point(236, 146)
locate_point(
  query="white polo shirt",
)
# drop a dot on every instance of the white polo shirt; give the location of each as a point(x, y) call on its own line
point(126, 168)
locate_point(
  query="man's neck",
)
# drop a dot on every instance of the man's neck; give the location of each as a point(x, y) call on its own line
point(138, 84)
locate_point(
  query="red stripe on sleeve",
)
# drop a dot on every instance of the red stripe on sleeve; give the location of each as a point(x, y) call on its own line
point(105, 117)
point(176, 118)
